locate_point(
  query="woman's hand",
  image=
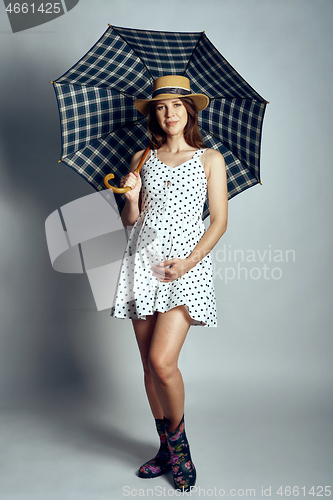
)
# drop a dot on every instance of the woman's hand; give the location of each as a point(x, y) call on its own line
point(133, 180)
point(172, 269)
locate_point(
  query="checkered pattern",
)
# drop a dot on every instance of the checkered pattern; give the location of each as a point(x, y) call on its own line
point(210, 72)
point(101, 128)
point(237, 122)
point(111, 63)
point(163, 53)
point(89, 113)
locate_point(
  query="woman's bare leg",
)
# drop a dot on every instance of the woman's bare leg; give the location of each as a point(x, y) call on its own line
point(168, 337)
point(144, 330)
point(160, 338)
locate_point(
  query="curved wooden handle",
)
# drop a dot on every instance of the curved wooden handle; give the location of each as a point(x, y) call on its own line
point(127, 188)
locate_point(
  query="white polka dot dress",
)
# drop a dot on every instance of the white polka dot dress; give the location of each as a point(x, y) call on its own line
point(170, 225)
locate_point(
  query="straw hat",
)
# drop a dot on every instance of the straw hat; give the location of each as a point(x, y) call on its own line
point(171, 87)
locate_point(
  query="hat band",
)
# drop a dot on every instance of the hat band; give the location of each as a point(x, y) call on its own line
point(171, 90)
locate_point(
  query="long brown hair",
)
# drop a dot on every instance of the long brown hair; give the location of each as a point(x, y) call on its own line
point(192, 134)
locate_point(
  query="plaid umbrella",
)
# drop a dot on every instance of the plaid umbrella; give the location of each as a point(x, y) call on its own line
point(101, 128)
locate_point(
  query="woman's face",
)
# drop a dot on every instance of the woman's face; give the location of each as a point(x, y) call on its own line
point(171, 115)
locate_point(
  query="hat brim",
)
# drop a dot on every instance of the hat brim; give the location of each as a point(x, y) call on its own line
point(200, 101)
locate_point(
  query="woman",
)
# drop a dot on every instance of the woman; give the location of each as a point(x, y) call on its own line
point(166, 276)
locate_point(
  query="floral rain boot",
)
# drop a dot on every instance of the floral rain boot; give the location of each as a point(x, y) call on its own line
point(183, 470)
point(161, 463)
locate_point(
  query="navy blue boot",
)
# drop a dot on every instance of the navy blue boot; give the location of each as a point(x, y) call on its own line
point(183, 470)
point(161, 463)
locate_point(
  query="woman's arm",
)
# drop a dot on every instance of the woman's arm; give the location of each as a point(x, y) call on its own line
point(218, 207)
point(131, 210)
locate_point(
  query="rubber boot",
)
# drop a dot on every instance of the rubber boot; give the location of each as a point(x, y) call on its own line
point(161, 463)
point(183, 470)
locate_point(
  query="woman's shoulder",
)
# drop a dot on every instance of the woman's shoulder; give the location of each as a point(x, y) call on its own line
point(213, 161)
point(214, 155)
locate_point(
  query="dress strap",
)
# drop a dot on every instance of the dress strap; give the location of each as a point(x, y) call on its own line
point(152, 155)
point(199, 152)
point(198, 155)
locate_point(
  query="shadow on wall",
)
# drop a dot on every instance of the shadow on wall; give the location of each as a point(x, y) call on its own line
point(48, 320)
point(23, 16)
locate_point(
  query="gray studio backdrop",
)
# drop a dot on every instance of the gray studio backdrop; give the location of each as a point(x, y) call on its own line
point(74, 419)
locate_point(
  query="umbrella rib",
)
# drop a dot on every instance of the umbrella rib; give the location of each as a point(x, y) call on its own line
point(143, 63)
point(195, 48)
point(212, 45)
point(80, 85)
point(241, 98)
point(139, 120)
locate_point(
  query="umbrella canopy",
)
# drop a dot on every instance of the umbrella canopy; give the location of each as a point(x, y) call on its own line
point(101, 128)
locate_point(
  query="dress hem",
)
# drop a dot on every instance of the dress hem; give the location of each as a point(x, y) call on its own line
point(195, 322)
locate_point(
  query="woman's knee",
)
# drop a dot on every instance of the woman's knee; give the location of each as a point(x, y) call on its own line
point(161, 368)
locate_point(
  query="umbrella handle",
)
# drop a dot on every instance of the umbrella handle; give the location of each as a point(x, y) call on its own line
point(127, 188)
